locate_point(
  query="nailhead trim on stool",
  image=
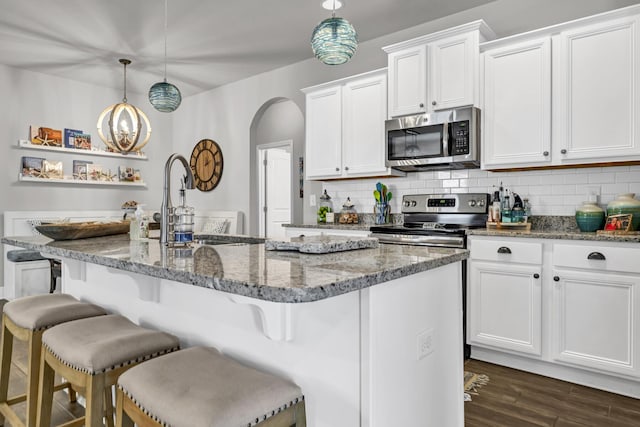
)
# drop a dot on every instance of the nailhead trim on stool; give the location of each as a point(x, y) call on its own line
point(200, 387)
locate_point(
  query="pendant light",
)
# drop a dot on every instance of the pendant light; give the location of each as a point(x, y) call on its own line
point(125, 123)
point(165, 97)
point(334, 40)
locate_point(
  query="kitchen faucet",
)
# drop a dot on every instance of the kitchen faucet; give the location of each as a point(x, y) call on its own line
point(166, 211)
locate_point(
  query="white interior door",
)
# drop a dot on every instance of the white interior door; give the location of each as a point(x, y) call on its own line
point(275, 189)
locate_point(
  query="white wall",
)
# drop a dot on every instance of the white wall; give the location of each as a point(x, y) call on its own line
point(225, 114)
point(39, 99)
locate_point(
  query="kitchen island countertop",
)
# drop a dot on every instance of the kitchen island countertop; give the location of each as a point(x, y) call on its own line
point(248, 269)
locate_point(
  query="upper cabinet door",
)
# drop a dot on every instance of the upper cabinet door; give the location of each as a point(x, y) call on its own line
point(453, 71)
point(408, 81)
point(596, 92)
point(365, 110)
point(517, 105)
point(324, 133)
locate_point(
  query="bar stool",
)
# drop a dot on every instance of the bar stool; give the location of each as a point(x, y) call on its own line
point(26, 319)
point(91, 354)
point(199, 387)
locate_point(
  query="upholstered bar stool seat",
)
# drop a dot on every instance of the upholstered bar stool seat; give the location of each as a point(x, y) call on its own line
point(26, 319)
point(199, 387)
point(92, 354)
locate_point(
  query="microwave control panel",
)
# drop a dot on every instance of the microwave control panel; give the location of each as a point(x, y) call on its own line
point(460, 138)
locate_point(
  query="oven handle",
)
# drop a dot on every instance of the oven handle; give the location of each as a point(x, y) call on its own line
point(420, 240)
point(445, 138)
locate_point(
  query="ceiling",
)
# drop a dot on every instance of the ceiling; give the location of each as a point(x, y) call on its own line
point(210, 42)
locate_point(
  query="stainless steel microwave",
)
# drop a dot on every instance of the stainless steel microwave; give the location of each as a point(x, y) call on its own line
point(447, 139)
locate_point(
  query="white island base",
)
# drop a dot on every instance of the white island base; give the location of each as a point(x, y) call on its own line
point(387, 355)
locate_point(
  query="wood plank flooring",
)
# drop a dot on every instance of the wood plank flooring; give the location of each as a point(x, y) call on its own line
point(515, 398)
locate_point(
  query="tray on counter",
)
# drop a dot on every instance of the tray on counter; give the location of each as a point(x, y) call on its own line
point(82, 230)
point(509, 226)
point(321, 244)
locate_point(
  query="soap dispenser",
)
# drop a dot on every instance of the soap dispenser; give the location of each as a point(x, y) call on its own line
point(183, 225)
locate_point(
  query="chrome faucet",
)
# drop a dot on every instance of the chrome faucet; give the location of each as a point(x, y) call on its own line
point(166, 211)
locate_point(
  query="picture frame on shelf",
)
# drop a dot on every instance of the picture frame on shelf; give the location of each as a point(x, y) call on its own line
point(128, 174)
point(70, 137)
point(83, 141)
point(80, 169)
point(620, 222)
point(52, 169)
point(94, 172)
point(45, 136)
point(32, 166)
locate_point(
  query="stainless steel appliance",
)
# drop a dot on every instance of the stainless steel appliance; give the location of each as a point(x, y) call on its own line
point(447, 139)
point(439, 220)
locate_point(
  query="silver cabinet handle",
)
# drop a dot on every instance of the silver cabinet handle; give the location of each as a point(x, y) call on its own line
point(504, 250)
point(546, 153)
point(563, 151)
point(596, 255)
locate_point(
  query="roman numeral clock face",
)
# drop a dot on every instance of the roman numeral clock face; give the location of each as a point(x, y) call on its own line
point(206, 164)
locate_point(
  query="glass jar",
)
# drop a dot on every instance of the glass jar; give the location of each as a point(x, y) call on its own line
point(590, 217)
point(348, 214)
point(325, 206)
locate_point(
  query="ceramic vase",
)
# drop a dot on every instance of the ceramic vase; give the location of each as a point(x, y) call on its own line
point(626, 204)
point(590, 217)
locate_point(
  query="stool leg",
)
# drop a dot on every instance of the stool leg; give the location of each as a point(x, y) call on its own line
point(108, 406)
point(45, 392)
point(301, 415)
point(6, 347)
point(95, 394)
point(122, 419)
point(35, 353)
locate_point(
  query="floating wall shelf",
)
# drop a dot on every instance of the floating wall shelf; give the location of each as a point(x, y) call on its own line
point(29, 146)
point(72, 181)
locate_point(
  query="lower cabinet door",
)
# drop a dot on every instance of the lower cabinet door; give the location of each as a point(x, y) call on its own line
point(595, 321)
point(504, 306)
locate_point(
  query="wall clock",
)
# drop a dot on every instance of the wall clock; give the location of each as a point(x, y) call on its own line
point(206, 164)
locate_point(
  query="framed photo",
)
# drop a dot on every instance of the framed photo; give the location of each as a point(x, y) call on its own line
point(620, 222)
point(32, 166)
point(52, 169)
point(70, 137)
point(80, 169)
point(83, 141)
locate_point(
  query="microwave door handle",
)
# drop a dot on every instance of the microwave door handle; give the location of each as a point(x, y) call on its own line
point(445, 139)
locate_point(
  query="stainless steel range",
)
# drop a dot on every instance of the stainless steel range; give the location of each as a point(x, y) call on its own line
point(439, 220)
point(436, 220)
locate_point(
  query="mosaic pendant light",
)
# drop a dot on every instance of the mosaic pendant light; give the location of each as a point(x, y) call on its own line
point(334, 40)
point(165, 97)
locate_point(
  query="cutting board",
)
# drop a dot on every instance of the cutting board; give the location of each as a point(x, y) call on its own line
point(321, 244)
point(82, 230)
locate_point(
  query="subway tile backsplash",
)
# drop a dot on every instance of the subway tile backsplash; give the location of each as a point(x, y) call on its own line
point(550, 192)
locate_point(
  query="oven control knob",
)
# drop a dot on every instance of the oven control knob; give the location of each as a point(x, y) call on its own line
point(407, 203)
point(481, 203)
point(414, 203)
point(472, 203)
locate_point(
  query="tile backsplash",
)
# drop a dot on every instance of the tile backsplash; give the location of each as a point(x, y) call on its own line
point(550, 192)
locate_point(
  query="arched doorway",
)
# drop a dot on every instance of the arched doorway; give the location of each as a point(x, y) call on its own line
point(278, 124)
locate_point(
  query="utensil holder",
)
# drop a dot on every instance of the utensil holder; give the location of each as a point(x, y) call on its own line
point(381, 213)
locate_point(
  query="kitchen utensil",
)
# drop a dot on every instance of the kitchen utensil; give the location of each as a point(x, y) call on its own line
point(376, 194)
point(389, 196)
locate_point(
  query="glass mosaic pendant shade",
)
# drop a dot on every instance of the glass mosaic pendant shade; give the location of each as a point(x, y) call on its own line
point(165, 97)
point(334, 41)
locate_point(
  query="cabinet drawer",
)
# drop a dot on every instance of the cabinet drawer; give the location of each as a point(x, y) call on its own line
point(506, 251)
point(623, 259)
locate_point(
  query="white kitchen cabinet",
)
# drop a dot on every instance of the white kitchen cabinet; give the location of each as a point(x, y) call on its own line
point(408, 81)
point(324, 132)
point(597, 91)
point(505, 296)
point(568, 102)
point(517, 104)
point(345, 136)
point(595, 308)
point(436, 71)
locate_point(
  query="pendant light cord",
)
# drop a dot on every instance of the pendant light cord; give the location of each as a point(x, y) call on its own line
point(124, 99)
point(165, 39)
point(333, 14)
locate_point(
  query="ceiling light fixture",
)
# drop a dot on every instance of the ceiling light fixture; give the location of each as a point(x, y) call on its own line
point(165, 97)
point(334, 40)
point(124, 122)
point(332, 4)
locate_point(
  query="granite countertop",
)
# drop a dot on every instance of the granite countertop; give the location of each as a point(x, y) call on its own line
point(559, 235)
point(247, 268)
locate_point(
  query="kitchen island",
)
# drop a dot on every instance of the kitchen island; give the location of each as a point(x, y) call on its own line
point(373, 337)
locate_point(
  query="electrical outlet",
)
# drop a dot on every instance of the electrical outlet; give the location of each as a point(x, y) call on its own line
point(312, 200)
point(593, 193)
point(425, 343)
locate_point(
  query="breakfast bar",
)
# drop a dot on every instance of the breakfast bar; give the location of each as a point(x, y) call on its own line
point(372, 336)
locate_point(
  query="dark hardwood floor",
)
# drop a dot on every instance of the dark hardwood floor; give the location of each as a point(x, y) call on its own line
point(515, 398)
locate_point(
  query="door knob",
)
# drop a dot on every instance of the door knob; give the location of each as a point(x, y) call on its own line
point(421, 105)
point(563, 151)
point(337, 169)
point(546, 153)
point(346, 168)
point(536, 276)
point(433, 102)
point(556, 279)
